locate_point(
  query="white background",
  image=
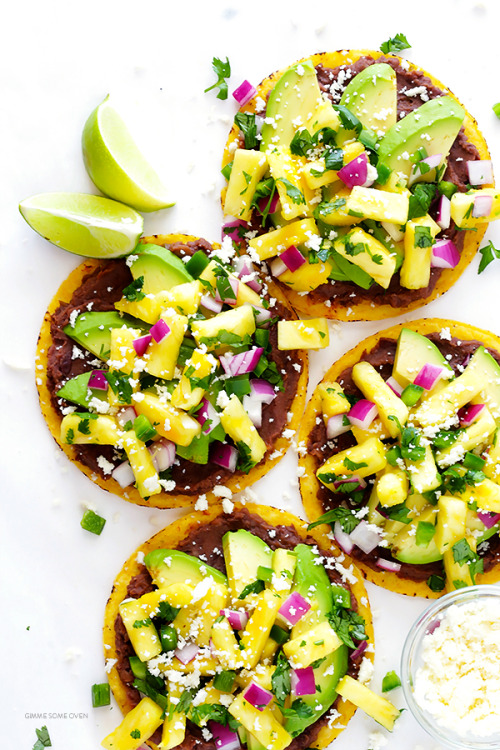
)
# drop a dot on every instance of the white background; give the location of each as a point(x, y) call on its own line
point(58, 60)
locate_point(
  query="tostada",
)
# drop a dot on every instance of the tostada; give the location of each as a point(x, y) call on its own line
point(238, 630)
point(360, 181)
point(172, 374)
point(400, 452)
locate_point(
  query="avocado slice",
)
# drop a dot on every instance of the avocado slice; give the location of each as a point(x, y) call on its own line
point(405, 547)
point(372, 96)
point(295, 95)
point(244, 553)
point(412, 353)
point(489, 371)
point(77, 390)
point(434, 125)
point(160, 268)
point(168, 566)
point(92, 330)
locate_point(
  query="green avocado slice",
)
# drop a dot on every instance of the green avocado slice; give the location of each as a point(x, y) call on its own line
point(372, 96)
point(168, 566)
point(92, 330)
point(160, 268)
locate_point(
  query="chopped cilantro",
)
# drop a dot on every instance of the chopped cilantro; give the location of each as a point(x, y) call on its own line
point(138, 624)
point(212, 712)
point(226, 171)
point(344, 516)
point(328, 207)
point(146, 687)
point(246, 123)
point(222, 70)
point(398, 513)
point(119, 382)
point(253, 588)
point(395, 44)
point(301, 142)
point(348, 120)
point(393, 455)
point(293, 192)
point(70, 436)
point(488, 253)
point(351, 272)
point(410, 443)
point(245, 461)
point(184, 702)
point(348, 625)
point(421, 199)
point(135, 734)
point(423, 236)
point(464, 555)
point(352, 465)
point(334, 158)
point(436, 583)
point(280, 680)
point(133, 292)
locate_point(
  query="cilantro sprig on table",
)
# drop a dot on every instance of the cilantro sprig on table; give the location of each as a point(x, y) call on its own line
point(489, 253)
point(395, 44)
point(222, 70)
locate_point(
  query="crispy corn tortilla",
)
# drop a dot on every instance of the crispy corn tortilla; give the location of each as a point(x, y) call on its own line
point(309, 483)
point(364, 309)
point(237, 482)
point(170, 538)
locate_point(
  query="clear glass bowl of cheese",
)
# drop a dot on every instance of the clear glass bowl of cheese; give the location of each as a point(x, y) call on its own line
point(450, 669)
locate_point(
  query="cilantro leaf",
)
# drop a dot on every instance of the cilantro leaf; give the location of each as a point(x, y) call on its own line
point(489, 253)
point(395, 44)
point(252, 588)
point(344, 516)
point(351, 272)
point(222, 70)
point(464, 555)
point(280, 680)
point(352, 465)
point(293, 192)
point(135, 734)
point(119, 382)
point(245, 461)
point(423, 237)
point(334, 158)
point(133, 292)
point(348, 625)
point(328, 207)
point(212, 712)
point(184, 702)
point(248, 126)
point(348, 120)
point(421, 199)
point(301, 142)
point(436, 583)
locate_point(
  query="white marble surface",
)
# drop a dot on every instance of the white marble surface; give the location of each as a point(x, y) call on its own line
point(57, 62)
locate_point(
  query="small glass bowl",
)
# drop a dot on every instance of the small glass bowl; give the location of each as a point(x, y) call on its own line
point(411, 661)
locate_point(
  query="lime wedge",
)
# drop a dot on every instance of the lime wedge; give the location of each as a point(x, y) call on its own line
point(115, 164)
point(84, 224)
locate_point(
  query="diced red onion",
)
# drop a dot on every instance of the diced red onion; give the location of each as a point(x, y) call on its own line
point(210, 303)
point(123, 474)
point(489, 519)
point(234, 229)
point(342, 538)
point(98, 380)
point(244, 268)
point(225, 738)
point(432, 162)
point(262, 316)
point(432, 627)
point(394, 386)
point(126, 415)
point(244, 93)
point(443, 217)
point(360, 483)
point(294, 608)
point(444, 254)
point(262, 203)
point(207, 413)
point(186, 653)
point(393, 231)
point(469, 414)
point(482, 206)
point(277, 267)
point(141, 344)
point(162, 453)
point(389, 565)
point(362, 414)
point(234, 284)
point(292, 258)
point(335, 426)
point(253, 408)
point(302, 681)
point(366, 537)
point(480, 172)
point(241, 363)
point(359, 651)
point(257, 696)
point(262, 390)
point(237, 619)
point(224, 455)
point(429, 376)
point(159, 330)
point(355, 172)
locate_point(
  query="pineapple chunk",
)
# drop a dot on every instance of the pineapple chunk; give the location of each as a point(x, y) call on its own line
point(249, 167)
point(312, 645)
point(272, 243)
point(80, 428)
point(240, 428)
point(392, 487)
point(375, 389)
point(261, 724)
point(308, 277)
point(473, 436)
point(226, 646)
point(259, 625)
point(146, 477)
point(486, 495)
point(379, 205)
point(287, 170)
point(450, 526)
point(161, 357)
point(424, 475)
point(327, 176)
point(167, 420)
point(376, 429)
point(372, 704)
point(303, 334)
point(284, 563)
point(183, 298)
point(204, 612)
point(262, 675)
point(244, 296)
point(178, 595)
point(174, 726)
point(199, 366)
point(122, 353)
point(455, 572)
point(147, 308)
point(333, 400)
point(240, 321)
point(140, 629)
point(137, 726)
point(492, 465)
point(324, 116)
point(462, 205)
point(416, 269)
point(375, 259)
point(360, 460)
point(339, 216)
point(269, 651)
point(205, 665)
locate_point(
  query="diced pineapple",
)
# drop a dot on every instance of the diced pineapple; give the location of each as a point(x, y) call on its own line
point(168, 421)
point(392, 487)
point(174, 726)
point(335, 213)
point(204, 612)
point(492, 465)
point(259, 625)
point(140, 629)
point(272, 243)
point(140, 460)
point(473, 436)
point(178, 595)
point(122, 354)
point(308, 277)
point(333, 400)
point(244, 296)
point(416, 269)
point(287, 171)
point(80, 428)
point(424, 475)
point(374, 258)
point(360, 460)
point(324, 116)
point(462, 206)
point(226, 646)
point(372, 704)
point(375, 389)
point(212, 696)
point(240, 428)
point(375, 429)
point(456, 574)
point(161, 357)
point(450, 526)
point(303, 334)
point(395, 184)
point(240, 321)
point(327, 176)
point(137, 726)
point(269, 651)
point(249, 167)
point(183, 298)
point(370, 203)
point(261, 724)
point(485, 494)
point(312, 645)
point(262, 675)
point(147, 308)
point(199, 366)
point(284, 563)
point(373, 515)
point(207, 666)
